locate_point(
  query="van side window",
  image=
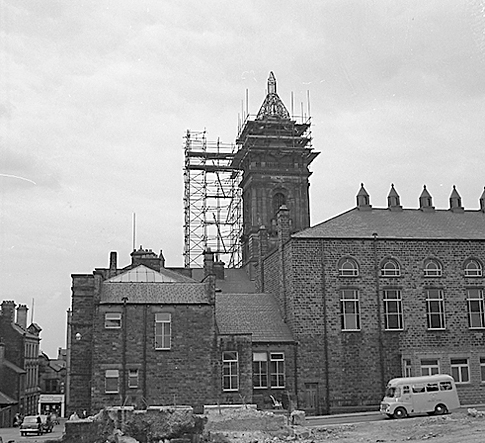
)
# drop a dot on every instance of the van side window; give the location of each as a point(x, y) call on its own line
point(417, 389)
point(446, 386)
point(432, 387)
point(405, 390)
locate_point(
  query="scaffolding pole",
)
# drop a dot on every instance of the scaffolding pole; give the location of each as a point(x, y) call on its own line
point(212, 201)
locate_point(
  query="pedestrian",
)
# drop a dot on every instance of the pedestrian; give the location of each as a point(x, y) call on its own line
point(74, 416)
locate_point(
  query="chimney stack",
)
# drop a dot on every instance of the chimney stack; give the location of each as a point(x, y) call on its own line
point(8, 310)
point(22, 316)
point(208, 262)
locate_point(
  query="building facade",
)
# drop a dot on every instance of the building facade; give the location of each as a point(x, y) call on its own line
point(318, 318)
point(146, 335)
point(19, 365)
point(52, 382)
point(378, 293)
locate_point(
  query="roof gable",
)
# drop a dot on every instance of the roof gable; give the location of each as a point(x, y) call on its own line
point(144, 274)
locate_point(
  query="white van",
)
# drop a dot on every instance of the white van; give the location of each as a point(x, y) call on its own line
point(433, 394)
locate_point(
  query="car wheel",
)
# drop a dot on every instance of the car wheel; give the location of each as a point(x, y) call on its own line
point(440, 409)
point(400, 413)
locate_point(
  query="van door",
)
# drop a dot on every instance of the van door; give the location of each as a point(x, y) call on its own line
point(406, 398)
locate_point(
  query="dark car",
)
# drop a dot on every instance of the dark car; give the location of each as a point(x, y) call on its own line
point(36, 424)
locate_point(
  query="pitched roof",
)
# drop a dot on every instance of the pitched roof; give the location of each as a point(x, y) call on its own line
point(144, 274)
point(14, 367)
point(255, 314)
point(236, 280)
point(6, 400)
point(405, 224)
point(154, 293)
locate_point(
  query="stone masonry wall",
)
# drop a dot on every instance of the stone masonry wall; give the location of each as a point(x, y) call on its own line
point(354, 363)
point(184, 374)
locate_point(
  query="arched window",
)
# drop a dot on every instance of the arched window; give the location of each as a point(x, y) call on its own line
point(278, 201)
point(390, 268)
point(473, 268)
point(432, 268)
point(348, 267)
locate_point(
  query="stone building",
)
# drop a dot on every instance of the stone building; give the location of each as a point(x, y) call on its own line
point(146, 335)
point(377, 293)
point(19, 366)
point(318, 318)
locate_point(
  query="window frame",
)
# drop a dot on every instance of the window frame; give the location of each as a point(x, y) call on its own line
point(277, 374)
point(115, 322)
point(346, 314)
point(436, 272)
point(457, 365)
point(112, 374)
point(260, 370)
point(479, 313)
point(407, 367)
point(482, 368)
point(352, 271)
point(473, 272)
point(387, 301)
point(387, 271)
point(431, 313)
point(230, 371)
point(132, 378)
point(162, 319)
point(430, 367)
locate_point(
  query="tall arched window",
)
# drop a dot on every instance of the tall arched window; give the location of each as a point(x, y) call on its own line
point(278, 201)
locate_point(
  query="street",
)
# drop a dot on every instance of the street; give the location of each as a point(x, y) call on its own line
point(12, 435)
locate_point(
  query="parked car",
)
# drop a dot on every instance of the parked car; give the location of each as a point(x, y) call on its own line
point(37, 424)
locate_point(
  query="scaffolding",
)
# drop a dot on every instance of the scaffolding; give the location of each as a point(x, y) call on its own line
point(212, 201)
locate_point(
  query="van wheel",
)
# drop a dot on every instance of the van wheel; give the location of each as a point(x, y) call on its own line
point(440, 409)
point(400, 413)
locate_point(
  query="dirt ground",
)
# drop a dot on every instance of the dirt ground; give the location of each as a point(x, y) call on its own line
point(453, 428)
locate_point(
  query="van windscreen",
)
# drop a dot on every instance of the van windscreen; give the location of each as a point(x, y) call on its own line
point(393, 392)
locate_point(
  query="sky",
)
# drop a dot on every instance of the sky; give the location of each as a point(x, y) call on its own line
point(96, 97)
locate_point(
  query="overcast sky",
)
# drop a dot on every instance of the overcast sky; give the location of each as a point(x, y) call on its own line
point(96, 96)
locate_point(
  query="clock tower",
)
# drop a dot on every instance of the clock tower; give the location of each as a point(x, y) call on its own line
point(274, 152)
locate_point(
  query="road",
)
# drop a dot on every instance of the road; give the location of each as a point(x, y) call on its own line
point(360, 417)
point(12, 435)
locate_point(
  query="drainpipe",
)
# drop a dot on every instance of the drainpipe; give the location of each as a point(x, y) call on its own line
point(123, 353)
point(325, 332)
point(379, 314)
point(144, 379)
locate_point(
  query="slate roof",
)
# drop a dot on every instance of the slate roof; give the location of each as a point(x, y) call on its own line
point(236, 280)
point(154, 293)
point(404, 224)
point(256, 314)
